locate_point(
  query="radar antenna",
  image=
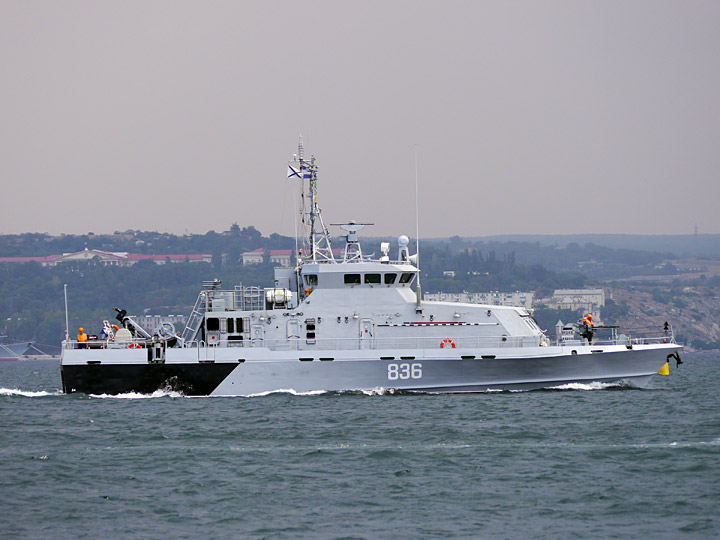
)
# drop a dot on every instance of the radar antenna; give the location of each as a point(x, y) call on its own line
point(316, 245)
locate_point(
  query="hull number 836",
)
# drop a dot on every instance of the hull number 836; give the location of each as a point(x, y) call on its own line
point(404, 371)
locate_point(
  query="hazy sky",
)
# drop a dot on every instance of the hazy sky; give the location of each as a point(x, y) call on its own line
point(528, 116)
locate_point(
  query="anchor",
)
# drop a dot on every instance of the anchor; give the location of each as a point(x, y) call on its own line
point(676, 356)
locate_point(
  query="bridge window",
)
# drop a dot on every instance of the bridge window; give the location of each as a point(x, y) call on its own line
point(352, 279)
point(406, 277)
point(213, 324)
point(311, 279)
point(372, 279)
point(390, 278)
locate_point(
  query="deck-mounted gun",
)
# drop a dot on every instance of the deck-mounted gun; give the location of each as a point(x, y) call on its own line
point(130, 323)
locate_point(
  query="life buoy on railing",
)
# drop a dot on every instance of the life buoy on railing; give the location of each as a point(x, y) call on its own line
point(447, 341)
point(134, 346)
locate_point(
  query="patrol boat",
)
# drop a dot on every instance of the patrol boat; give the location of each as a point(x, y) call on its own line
point(343, 321)
point(11, 350)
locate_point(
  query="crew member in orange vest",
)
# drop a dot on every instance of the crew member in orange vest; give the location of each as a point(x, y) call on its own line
point(588, 328)
point(82, 339)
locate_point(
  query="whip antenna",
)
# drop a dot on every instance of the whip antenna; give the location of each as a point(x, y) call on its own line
point(418, 290)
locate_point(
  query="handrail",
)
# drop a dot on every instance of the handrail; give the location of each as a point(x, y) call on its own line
point(459, 342)
point(135, 343)
point(358, 343)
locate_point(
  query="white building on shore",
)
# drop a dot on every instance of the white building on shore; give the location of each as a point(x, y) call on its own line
point(575, 299)
point(282, 257)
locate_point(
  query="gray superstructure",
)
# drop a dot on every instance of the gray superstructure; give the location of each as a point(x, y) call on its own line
point(349, 323)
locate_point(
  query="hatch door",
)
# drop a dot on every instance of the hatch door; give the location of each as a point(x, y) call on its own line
point(257, 334)
point(367, 334)
point(293, 333)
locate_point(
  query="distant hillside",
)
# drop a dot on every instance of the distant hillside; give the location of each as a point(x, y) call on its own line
point(597, 257)
point(233, 242)
point(703, 246)
point(692, 309)
point(683, 245)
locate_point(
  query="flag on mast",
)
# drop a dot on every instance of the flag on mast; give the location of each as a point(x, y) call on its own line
point(293, 172)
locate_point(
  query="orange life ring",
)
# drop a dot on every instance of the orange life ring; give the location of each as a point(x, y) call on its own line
point(115, 327)
point(447, 341)
point(134, 346)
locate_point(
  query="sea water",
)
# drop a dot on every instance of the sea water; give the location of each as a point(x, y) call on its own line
point(579, 461)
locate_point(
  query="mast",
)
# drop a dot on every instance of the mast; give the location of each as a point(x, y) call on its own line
point(316, 246)
point(67, 323)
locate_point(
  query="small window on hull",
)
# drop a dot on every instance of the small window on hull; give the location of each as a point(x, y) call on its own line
point(310, 330)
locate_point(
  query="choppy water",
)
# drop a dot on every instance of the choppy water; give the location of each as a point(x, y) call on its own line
point(581, 462)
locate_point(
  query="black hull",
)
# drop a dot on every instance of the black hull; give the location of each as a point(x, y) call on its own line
point(189, 379)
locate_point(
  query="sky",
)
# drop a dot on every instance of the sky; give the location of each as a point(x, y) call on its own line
point(553, 117)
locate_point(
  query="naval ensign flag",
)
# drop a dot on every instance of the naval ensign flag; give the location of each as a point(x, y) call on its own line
point(293, 172)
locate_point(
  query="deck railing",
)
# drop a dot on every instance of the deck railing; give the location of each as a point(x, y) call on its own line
point(382, 343)
point(458, 343)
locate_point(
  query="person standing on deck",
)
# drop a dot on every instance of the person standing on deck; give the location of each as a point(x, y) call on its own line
point(82, 338)
point(587, 323)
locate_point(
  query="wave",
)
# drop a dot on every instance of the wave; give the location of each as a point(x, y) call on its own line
point(350, 446)
point(136, 395)
point(377, 391)
point(290, 391)
point(686, 444)
point(27, 393)
point(588, 386)
point(679, 445)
